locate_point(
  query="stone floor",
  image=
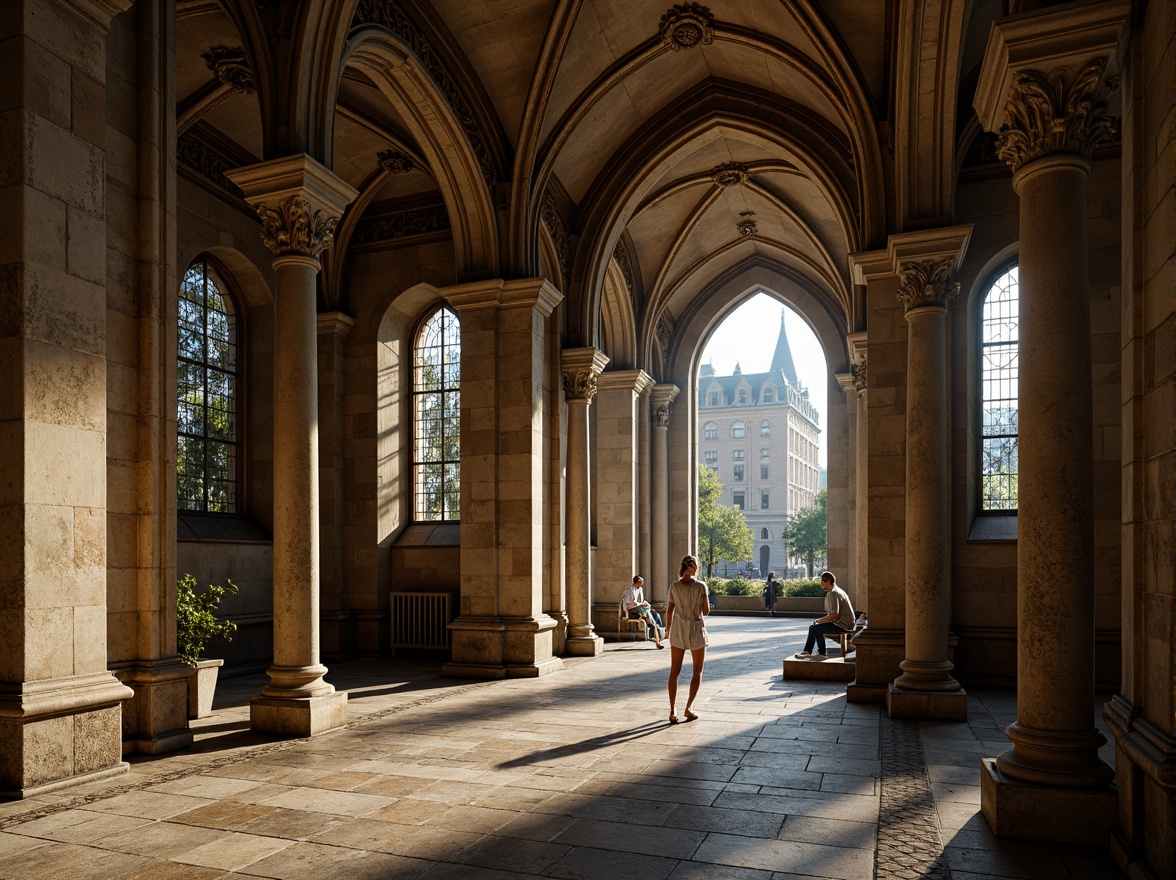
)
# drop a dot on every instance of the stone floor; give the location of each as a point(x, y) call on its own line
point(574, 775)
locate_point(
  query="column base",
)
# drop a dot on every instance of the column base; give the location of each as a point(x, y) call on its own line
point(1049, 813)
point(155, 720)
point(923, 705)
point(583, 646)
point(502, 647)
point(1067, 759)
point(298, 716)
point(876, 664)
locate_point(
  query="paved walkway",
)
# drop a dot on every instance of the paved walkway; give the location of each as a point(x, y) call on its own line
point(574, 775)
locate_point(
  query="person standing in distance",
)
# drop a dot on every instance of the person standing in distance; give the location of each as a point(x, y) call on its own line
point(686, 607)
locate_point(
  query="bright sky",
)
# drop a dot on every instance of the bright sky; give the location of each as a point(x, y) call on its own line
point(748, 337)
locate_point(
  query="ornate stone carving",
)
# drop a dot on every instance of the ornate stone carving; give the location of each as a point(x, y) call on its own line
point(746, 224)
point(201, 158)
point(621, 255)
point(730, 174)
point(551, 218)
point(926, 283)
point(859, 376)
point(579, 384)
point(1062, 112)
point(401, 224)
point(687, 25)
point(231, 67)
point(388, 14)
point(295, 228)
point(663, 415)
point(665, 335)
point(394, 161)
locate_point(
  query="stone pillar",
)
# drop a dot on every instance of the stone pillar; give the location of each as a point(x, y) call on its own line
point(60, 707)
point(1044, 87)
point(881, 492)
point(502, 630)
point(926, 263)
point(848, 579)
point(338, 623)
point(861, 572)
point(298, 201)
point(581, 368)
point(644, 451)
point(663, 571)
point(617, 445)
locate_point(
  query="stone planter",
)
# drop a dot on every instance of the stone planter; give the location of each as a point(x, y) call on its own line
point(202, 687)
point(755, 605)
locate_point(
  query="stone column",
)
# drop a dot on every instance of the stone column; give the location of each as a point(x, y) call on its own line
point(60, 707)
point(848, 579)
point(857, 346)
point(502, 630)
point(338, 622)
point(663, 571)
point(881, 465)
point(298, 201)
point(926, 263)
point(581, 368)
point(1044, 87)
point(617, 446)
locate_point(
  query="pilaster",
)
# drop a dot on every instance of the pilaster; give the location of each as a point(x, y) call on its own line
point(298, 202)
point(501, 630)
point(1045, 85)
point(662, 568)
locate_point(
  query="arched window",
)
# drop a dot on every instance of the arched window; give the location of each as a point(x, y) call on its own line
point(998, 393)
point(208, 388)
point(763, 534)
point(737, 430)
point(436, 419)
point(765, 428)
point(710, 431)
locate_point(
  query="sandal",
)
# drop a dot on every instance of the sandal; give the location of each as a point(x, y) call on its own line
point(690, 716)
point(673, 719)
point(804, 655)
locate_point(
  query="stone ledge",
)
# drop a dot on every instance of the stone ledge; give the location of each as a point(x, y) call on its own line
point(832, 669)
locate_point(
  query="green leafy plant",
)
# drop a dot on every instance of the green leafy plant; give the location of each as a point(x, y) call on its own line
point(741, 586)
point(195, 621)
point(798, 588)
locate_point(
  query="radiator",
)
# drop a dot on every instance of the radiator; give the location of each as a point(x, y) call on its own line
point(420, 620)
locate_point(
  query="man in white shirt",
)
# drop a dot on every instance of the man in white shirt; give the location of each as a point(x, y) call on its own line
point(635, 605)
point(839, 617)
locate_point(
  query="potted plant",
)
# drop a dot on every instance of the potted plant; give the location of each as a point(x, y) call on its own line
point(195, 625)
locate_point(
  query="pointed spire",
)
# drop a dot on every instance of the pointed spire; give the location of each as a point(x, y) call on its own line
point(738, 369)
point(782, 359)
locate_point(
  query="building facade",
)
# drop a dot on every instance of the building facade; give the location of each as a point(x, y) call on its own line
point(354, 299)
point(760, 434)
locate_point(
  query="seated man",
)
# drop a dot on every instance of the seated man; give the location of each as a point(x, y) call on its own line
point(635, 605)
point(839, 617)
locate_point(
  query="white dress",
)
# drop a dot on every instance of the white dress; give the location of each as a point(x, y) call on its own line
point(688, 628)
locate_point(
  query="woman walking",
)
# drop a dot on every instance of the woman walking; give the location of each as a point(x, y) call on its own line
point(686, 607)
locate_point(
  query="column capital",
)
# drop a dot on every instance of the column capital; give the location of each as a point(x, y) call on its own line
point(858, 372)
point(926, 262)
point(637, 381)
point(298, 201)
point(581, 367)
point(847, 381)
point(494, 293)
point(1047, 78)
point(661, 397)
point(857, 358)
point(335, 324)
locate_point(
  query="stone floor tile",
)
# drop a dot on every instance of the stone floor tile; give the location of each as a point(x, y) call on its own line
point(607, 808)
point(583, 863)
point(952, 792)
point(961, 775)
point(849, 784)
point(672, 842)
point(341, 781)
point(291, 824)
point(149, 804)
point(79, 826)
point(394, 786)
point(213, 787)
point(859, 766)
point(768, 776)
point(233, 851)
point(523, 856)
point(831, 832)
point(1003, 864)
point(223, 814)
point(450, 792)
point(161, 870)
point(64, 861)
point(471, 818)
point(13, 845)
point(337, 803)
point(536, 826)
point(161, 840)
point(511, 798)
point(747, 823)
point(447, 871)
point(704, 871)
point(835, 862)
point(410, 811)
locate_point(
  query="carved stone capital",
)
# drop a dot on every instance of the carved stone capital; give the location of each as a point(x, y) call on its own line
point(686, 25)
point(231, 67)
point(293, 227)
point(926, 283)
point(859, 375)
point(580, 384)
point(1064, 111)
point(662, 415)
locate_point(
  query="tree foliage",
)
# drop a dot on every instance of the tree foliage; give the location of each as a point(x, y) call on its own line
point(807, 531)
point(722, 530)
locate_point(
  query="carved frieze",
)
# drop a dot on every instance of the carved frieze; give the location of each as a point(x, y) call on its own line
point(231, 67)
point(926, 283)
point(730, 174)
point(1064, 111)
point(394, 161)
point(194, 153)
point(424, 220)
point(294, 227)
point(686, 25)
point(580, 384)
point(746, 224)
point(388, 14)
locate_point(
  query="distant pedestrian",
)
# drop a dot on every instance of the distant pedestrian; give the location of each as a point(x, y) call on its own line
point(770, 594)
point(686, 607)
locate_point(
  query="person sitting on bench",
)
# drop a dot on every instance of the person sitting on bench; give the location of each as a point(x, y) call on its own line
point(635, 605)
point(839, 618)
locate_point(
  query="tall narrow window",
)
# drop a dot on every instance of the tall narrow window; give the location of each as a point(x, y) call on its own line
point(436, 417)
point(998, 381)
point(208, 386)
